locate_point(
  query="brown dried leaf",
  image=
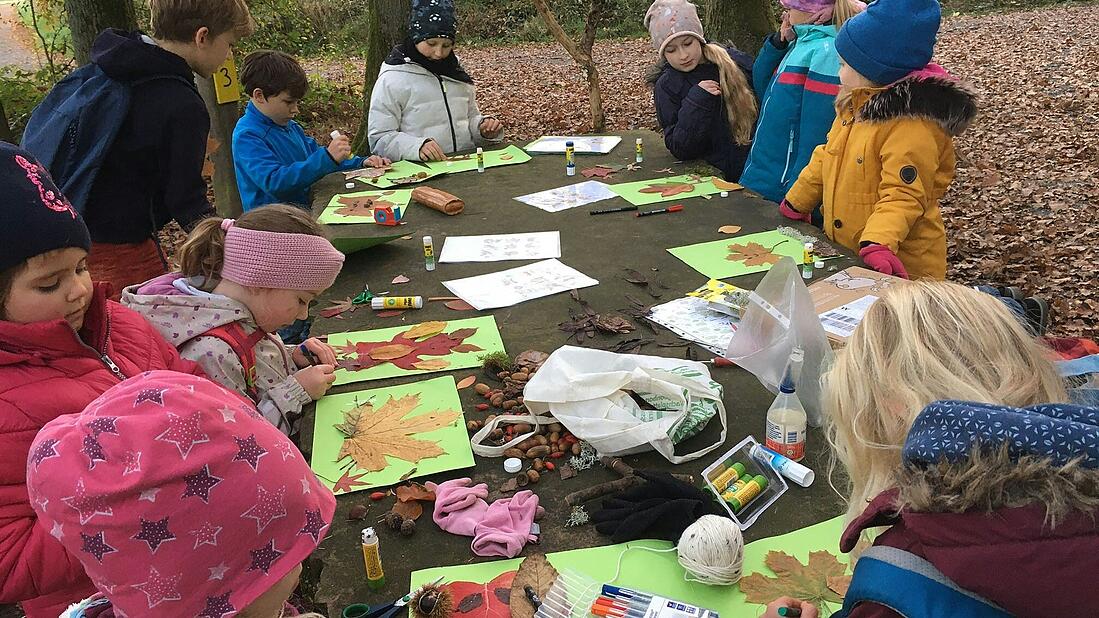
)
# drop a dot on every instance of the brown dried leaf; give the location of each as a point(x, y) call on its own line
point(409, 510)
point(400, 279)
point(725, 185)
point(466, 382)
point(414, 491)
point(390, 352)
point(432, 364)
point(536, 573)
point(459, 305)
point(467, 347)
point(389, 431)
point(668, 189)
point(808, 582)
point(336, 308)
point(427, 329)
point(729, 229)
point(752, 254)
point(391, 313)
point(839, 584)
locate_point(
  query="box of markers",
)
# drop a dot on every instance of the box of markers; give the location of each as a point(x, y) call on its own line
point(619, 602)
point(744, 484)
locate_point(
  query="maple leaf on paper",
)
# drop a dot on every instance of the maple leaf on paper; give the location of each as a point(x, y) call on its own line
point(491, 600)
point(669, 189)
point(752, 254)
point(368, 172)
point(348, 483)
point(388, 431)
point(406, 351)
point(360, 206)
point(808, 582)
point(536, 573)
point(598, 171)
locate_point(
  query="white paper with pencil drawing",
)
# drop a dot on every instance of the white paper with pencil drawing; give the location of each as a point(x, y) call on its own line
point(501, 247)
point(569, 196)
point(516, 285)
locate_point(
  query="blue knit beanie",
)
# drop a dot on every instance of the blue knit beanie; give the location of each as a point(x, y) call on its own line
point(890, 39)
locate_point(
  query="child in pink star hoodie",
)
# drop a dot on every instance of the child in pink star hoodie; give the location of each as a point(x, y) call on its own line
point(179, 499)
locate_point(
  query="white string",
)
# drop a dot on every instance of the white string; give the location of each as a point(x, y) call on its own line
point(711, 551)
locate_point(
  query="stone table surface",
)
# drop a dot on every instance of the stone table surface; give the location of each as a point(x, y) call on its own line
point(600, 247)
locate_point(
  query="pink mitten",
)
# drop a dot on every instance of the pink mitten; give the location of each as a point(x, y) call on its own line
point(459, 507)
point(883, 260)
point(786, 210)
point(505, 527)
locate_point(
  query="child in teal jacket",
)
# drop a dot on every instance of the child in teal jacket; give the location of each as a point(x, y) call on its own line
point(796, 77)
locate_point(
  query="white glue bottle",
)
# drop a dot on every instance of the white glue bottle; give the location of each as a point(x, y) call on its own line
point(786, 418)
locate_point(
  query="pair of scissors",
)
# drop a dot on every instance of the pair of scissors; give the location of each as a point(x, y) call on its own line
point(387, 610)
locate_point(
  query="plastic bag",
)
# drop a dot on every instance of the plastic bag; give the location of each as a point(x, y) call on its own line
point(596, 395)
point(780, 316)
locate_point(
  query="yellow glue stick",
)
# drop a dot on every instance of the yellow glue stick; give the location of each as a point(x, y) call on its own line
point(375, 578)
point(729, 477)
point(747, 493)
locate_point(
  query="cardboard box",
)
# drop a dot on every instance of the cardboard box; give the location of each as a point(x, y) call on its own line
point(842, 299)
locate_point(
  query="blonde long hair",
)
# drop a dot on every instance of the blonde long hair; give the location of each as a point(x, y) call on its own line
point(924, 341)
point(844, 10)
point(740, 100)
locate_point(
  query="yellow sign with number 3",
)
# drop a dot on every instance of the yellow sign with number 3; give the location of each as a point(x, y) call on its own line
point(226, 84)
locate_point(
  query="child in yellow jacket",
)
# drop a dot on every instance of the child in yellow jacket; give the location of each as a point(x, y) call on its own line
point(890, 153)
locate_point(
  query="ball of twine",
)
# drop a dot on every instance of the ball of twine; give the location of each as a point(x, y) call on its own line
point(712, 550)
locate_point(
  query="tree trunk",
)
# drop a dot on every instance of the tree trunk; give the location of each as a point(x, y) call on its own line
point(743, 23)
point(5, 128)
point(223, 119)
point(581, 54)
point(387, 25)
point(87, 18)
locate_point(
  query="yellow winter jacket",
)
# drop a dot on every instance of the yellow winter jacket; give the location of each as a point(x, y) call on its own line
point(888, 160)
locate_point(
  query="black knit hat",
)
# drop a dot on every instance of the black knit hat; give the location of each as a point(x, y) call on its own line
point(34, 216)
point(432, 19)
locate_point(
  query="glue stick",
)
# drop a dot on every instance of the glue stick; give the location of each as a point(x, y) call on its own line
point(807, 262)
point(480, 159)
point(639, 154)
point(747, 493)
point(379, 303)
point(429, 254)
point(375, 577)
point(729, 476)
point(570, 159)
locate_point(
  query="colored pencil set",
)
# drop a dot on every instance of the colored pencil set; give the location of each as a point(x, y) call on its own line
point(618, 602)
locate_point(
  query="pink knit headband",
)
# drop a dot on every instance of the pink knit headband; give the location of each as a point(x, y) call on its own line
point(279, 260)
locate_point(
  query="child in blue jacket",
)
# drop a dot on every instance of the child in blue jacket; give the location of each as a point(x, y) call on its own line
point(275, 160)
point(703, 93)
point(796, 77)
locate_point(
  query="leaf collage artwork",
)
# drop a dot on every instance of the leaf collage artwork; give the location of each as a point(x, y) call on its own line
point(397, 174)
point(411, 350)
point(657, 190)
point(510, 155)
point(379, 437)
point(739, 255)
point(359, 207)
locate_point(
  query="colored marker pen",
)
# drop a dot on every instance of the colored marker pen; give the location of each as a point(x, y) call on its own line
point(429, 254)
point(789, 611)
point(607, 210)
point(375, 578)
point(570, 159)
point(480, 159)
point(639, 154)
point(676, 208)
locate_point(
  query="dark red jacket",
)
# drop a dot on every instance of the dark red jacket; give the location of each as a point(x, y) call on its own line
point(46, 370)
point(1009, 557)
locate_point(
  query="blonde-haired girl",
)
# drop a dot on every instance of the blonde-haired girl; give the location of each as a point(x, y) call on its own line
point(703, 92)
point(935, 408)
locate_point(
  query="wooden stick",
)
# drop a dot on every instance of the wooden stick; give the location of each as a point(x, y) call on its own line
point(581, 496)
point(617, 465)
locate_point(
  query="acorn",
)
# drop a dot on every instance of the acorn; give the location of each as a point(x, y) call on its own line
point(522, 480)
point(357, 512)
point(473, 425)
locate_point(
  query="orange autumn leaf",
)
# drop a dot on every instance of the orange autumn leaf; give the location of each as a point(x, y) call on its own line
point(808, 582)
point(409, 510)
point(390, 352)
point(432, 364)
point(413, 491)
point(466, 382)
point(388, 431)
point(427, 329)
point(668, 189)
point(752, 254)
point(725, 185)
point(729, 229)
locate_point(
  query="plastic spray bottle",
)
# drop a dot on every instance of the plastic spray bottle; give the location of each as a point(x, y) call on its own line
point(786, 419)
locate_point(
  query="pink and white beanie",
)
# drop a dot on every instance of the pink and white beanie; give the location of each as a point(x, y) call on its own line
point(177, 496)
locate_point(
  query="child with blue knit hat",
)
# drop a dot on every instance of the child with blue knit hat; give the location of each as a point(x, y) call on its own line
point(890, 153)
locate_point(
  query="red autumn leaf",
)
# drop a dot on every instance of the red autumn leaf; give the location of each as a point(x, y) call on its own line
point(494, 602)
point(392, 313)
point(596, 172)
point(364, 354)
point(668, 189)
point(337, 308)
point(414, 491)
point(348, 483)
point(459, 305)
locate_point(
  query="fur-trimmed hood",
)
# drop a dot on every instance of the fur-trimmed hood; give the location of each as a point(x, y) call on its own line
point(930, 93)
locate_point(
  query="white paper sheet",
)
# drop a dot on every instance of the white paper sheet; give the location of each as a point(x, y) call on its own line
point(571, 196)
point(516, 285)
point(501, 247)
point(693, 320)
point(582, 144)
point(842, 321)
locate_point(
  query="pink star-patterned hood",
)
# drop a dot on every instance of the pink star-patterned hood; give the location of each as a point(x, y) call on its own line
point(177, 497)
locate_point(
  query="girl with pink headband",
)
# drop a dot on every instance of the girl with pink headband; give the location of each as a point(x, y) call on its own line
point(239, 282)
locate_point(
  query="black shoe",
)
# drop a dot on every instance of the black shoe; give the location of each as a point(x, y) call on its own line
point(1010, 291)
point(1037, 314)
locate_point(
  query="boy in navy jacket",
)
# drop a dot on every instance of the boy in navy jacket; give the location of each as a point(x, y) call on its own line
point(275, 161)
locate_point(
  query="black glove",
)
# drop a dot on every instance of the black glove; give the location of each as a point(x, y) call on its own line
point(661, 508)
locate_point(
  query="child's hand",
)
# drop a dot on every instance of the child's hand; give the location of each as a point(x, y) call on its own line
point(823, 16)
point(340, 148)
point(321, 351)
point(491, 128)
point(883, 260)
point(376, 161)
point(788, 211)
point(808, 610)
point(316, 379)
point(786, 31)
point(430, 151)
point(710, 86)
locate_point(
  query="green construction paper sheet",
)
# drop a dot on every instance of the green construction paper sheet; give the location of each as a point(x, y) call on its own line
point(487, 338)
point(708, 258)
point(631, 191)
point(435, 394)
point(398, 197)
point(399, 170)
point(468, 162)
point(349, 245)
point(660, 573)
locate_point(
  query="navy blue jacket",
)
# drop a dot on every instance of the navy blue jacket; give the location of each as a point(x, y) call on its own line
point(278, 164)
point(694, 121)
point(153, 170)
